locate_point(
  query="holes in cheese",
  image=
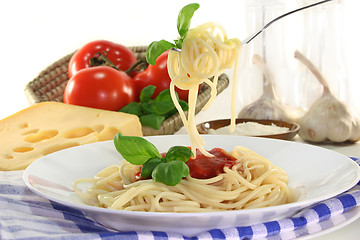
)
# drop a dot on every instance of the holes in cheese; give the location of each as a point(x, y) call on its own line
point(7, 156)
point(30, 131)
point(41, 136)
point(108, 133)
point(99, 128)
point(59, 147)
point(23, 149)
point(23, 125)
point(78, 132)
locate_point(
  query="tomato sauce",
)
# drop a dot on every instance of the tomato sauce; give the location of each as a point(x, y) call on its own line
point(203, 167)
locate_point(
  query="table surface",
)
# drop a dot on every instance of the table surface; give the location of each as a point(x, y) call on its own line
point(37, 33)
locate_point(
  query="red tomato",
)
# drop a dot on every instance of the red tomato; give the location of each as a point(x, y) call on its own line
point(121, 56)
point(100, 87)
point(158, 76)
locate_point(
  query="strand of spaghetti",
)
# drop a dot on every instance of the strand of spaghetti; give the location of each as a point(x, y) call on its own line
point(198, 142)
point(191, 64)
point(213, 92)
point(127, 172)
point(151, 200)
point(199, 197)
point(243, 198)
point(86, 196)
point(159, 206)
point(272, 197)
point(240, 151)
point(106, 200)
point(105, 180)
point(233, 92)
point(193, 209)
point(265, 174)
point(251, 195)
point(209, 181)
point(231, 182)
point(178, 107)
point(215, 195)
point(234, 173)
point(140, 207)
point(121, 200)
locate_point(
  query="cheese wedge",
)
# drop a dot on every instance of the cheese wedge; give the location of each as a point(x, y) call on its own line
point(52, 126)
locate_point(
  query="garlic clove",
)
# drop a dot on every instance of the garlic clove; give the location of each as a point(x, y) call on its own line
point(264, 109)
point(312, 130)
point(267, 106)
point(355, 134)
point(327, 118)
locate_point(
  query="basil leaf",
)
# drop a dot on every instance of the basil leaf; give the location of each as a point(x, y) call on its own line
point(163, 102)
point(147, 107)
point(135, 150)
point(170, 173)
point(148, 167)
point(184, 105)
point(184, 18)
point(146, 93)
point(152, 120)
point(155, 49)
point(180, 153)
point(179, 42)
point(161, 108)
point(170, 113)
point(132, 108)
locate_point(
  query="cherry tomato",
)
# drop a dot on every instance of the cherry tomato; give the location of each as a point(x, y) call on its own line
point(121, 56)
point(158, 76)
point(100, 87)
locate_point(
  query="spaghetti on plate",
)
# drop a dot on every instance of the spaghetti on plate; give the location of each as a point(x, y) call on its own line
point(251, 182)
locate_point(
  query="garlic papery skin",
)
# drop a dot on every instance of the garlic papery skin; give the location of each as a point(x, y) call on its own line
point(327, 118)
point(267, 106)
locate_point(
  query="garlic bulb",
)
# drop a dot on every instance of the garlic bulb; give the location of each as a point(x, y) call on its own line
point(267, 106)
point(327, 118)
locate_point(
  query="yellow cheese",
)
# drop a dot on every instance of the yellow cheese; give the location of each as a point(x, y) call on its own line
point(51, 126)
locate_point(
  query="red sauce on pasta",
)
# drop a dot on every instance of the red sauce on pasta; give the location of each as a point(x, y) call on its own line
point(203, 167)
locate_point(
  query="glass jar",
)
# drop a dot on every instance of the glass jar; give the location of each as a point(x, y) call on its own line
point(272, 46)
point(322, 44)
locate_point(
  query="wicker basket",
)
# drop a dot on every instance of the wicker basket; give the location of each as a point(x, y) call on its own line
point(49, 85)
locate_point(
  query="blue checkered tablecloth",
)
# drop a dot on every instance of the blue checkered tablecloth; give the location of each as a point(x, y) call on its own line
point(26, 215)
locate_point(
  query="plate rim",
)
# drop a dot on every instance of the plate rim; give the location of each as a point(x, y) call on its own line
point(86, 207)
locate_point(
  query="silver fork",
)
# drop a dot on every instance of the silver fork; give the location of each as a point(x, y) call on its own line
point(250, 38)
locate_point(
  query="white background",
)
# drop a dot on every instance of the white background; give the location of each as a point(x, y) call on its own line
point(36, 33)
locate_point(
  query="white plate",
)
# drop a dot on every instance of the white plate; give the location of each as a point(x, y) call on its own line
point(316, 173)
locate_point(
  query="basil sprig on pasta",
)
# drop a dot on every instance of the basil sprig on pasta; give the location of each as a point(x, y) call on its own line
point(168, 170)
point(156, 48)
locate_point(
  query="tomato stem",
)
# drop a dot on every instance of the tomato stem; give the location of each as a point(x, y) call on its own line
point(139, 63)
point(101, 60)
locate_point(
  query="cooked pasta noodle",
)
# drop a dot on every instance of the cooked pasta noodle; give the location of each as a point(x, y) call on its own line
point(206, 52)
point(252, 182)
